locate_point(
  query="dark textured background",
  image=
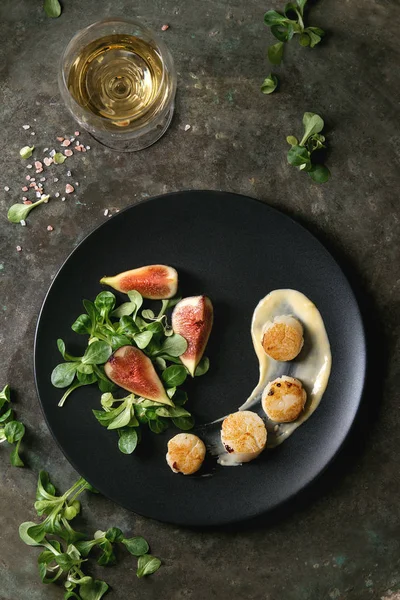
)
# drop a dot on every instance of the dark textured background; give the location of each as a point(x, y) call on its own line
point(341, 541)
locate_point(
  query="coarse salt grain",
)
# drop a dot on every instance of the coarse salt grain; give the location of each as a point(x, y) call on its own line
point(72, 139)
point(78, 148)
point(50, 228)
point(165, 27)
point(6, 188)
point(23, 222)
point(63, 199)
point(32, 184)
point(32, 178)
point(87, 147)
point(77, 133)
point(55, 179)
point(24, 188)
point(68, 152)
point(38, 194)
point(52, 153)
point(45, 149)
point(26, 127)
point(18, 248)
point(83, 148)
point(69, 173)
point(187, 127)
point(66, 143)
point(27, 202)
point(39, 171)
point(27, 177)
point(76, 183)
point(48, 161)
point(29, 166)
point(43, 179)
point(57, 194)
point(60, 139)
point(38, 164)
point(33, 133)
point(106, 212)
point(69, 189)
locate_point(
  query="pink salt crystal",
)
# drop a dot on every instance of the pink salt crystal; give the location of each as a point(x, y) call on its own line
point(18, 248)
point(69, 188)
point(26, 201)
point(76, 133)
point(78, 148)
point(50, 228)
point(83, 149)
point(38, 164)
point(47, 161)
point(60, 139)
point(24, 189)
point(165, 27)
point(68, 152)
point(66, 143)
point(27, 177)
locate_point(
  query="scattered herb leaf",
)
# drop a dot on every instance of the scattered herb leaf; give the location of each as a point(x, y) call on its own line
point(269, 84)
point(287, 24)
point(52, 8)
point(26, 151)
point(20, 212)
point(300, 153)
point(59, 158)
point(11, 431)
point(67, 550)
point(147, 564)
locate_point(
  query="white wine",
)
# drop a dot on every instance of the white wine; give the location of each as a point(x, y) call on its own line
point(118, 81)
point(120, 78)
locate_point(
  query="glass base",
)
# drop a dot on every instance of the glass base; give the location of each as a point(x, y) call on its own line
point(124, 144)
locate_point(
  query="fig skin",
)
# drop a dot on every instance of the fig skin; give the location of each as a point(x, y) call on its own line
point(155, 282)
point(192, 318)
point(132, 370)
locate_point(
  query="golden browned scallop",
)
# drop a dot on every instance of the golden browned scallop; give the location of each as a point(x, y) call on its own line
point(244, 434)
point(283, 338)
point(283, 399)
point(186, 453)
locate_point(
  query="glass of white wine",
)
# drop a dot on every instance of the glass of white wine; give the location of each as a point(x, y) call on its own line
point(118, 80)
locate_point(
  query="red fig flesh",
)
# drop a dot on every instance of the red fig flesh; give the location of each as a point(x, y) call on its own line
point(132, 370)
point(193, 318)
point(156, 282)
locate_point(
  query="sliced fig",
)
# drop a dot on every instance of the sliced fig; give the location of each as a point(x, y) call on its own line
point(193, 318)
point(156, 282)
point(132, 370)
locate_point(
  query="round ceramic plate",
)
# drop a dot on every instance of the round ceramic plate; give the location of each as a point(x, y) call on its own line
point(235, 250)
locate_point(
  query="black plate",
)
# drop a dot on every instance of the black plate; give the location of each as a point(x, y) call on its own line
point(236, 250)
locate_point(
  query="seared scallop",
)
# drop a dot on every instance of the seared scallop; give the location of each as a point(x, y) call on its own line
point(243, 435)
point(283, 338)
point(283, 399)
point(186, 453)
